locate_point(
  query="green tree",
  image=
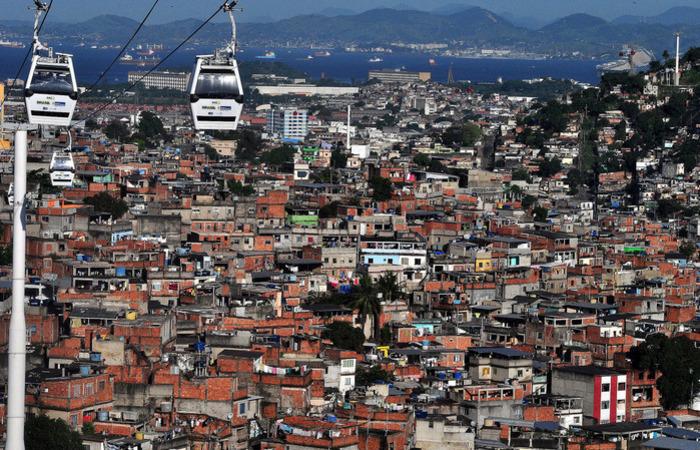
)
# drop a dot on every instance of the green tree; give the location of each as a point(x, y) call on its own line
point(522, 175)
point(345, 336)
point(117, 130)
point(528, 201)
point(329, 210)
point(367, 377)
point(390, 288)
point(91, 125)
point(679, 362)
point(339, 160)
point(249, 145)
point(382, 189)
point(367, 302)
point(211, 152)
point(471, 134)
point(238, 188)
point(103, 202)
point(150, 125)
point(279, 155)
point(88, 428)
point(549, 167)
point(688, 250)
point(42, 433)
point(540, 213)
point(421, 159)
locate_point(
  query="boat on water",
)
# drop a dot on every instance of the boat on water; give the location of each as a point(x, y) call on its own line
point(129, 60)
point(326, 53)
point(307, 57)
point(376, 59)
point(431, 61)
point(267, 55)
point(12, 44)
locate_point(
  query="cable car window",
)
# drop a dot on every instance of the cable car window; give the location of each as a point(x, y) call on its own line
point(62, 163)
point(217, 84)
point(52, 81)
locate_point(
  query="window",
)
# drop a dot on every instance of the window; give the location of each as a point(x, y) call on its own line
point(348, 363)
point(621, 403)
point(102, 385)
point(605, 387)
point(621, 386)
point(520, 373)
point(76, 391)
point(241, 409)
point(605, 405)
point(74, 419)
point(89, 389)
point(458, 358)
point(348, 381)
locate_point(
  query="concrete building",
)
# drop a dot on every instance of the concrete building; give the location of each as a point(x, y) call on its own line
point(161, 80)
point(398, 76)
point(288, 123)
point(604, 392)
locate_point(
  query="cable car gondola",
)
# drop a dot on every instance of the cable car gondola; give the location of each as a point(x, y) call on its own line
point(215, 90)
point(62, 169)
point(51, 92)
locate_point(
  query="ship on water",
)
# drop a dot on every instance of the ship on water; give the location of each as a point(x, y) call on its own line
point(12, 44)
point(267, 55)
point(376, 59)
point(326, 53)
point(129, 60)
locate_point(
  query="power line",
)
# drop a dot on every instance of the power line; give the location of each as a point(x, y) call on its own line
point(31, 47)
point(124, 47)
point(102, 108)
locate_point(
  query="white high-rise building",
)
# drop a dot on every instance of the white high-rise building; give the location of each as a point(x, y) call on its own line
point(290, 124)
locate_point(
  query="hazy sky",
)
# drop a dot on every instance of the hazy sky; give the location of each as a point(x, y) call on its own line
point(168, 10)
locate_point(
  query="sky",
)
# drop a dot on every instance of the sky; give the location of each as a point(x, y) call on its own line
point(169, 10)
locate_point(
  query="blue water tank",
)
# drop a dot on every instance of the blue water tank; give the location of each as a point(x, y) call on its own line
point(85, 369)
point(441, 375)
point(95, 356)
point(199, 346)
point(458, 375)
point(420, 414)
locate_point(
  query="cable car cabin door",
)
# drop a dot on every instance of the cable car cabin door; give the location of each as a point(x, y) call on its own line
point(51, 92)
point(216, 94)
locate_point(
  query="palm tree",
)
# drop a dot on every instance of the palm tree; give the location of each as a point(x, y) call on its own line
point(366, 299)
point(389, 286)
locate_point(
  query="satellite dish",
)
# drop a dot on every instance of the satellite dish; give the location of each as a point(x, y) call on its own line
point(230, 416)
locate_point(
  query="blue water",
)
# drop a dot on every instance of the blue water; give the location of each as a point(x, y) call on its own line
point(89, 64)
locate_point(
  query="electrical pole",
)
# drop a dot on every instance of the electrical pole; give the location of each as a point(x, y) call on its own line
point(17, 351)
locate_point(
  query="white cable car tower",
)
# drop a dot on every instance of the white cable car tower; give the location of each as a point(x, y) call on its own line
point(215, 90)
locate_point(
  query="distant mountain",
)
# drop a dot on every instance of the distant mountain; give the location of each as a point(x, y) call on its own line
point(676, 15)
point(531, 23)
point(473, 29)
point(451, 8)
point(575, 22)
point(332, 12)
point(255, 19)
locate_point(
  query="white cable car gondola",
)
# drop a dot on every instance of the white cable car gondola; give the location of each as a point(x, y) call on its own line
point(62, 167)
point(215, 90)
point(51, 92)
